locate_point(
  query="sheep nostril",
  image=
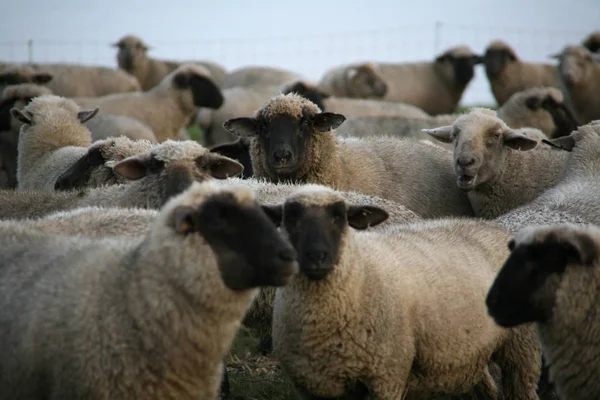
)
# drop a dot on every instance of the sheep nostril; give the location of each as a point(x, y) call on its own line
point(317, 256)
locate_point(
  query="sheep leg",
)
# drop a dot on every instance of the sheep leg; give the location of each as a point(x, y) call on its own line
point(519, 359)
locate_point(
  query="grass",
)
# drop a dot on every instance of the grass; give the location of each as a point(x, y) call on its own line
point(253, 376)
point(195, 132)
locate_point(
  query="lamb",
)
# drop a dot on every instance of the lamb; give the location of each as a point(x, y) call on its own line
point(156, 175)
point(436, 87)
point(539, 107)
point(144, 318)
point(551, 279)
point(293, 140)
point(70, 80)
point(14, 96)
point(51, 140)
point(356, 81)
point(258, 76)
point(507, 74)
point(592, 42)
point(580, 74)
point(133, 58)
point(498, 166)
point(347, 323)
point(167, 107)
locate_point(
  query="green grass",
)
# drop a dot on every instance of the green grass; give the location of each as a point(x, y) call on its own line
point(195, 132)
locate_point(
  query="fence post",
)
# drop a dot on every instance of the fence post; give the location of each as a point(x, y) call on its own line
point(438, 37)
point(30, 50)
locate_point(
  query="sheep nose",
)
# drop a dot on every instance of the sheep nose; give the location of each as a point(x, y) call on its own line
point(317, 256)
point(466, 161)
point(283, 155)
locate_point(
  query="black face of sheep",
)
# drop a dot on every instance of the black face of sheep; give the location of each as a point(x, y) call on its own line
point(205, 91)
point(250, 250)
point(316, 231)
point(5, 115)
point(495, 60)
point(78, 175)
point(239, 151)
point(308, 92)
point(285, 139)
point(464, 67)
point(15, 78)
point(522, 291)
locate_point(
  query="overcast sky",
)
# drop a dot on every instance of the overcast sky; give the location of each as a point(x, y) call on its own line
point(307, 36)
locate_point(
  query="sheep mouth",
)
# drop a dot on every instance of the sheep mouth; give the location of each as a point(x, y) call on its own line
point(465, 181)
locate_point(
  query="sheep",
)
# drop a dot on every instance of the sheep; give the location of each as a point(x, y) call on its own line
point(355, 81)
point(238, 150)
point(507, 74)
point(110, 125)
point(156, 175)
point(592, 42)
point(580, 74)
point(353, 317)
point(51, 140)
point(258, 76)
point(551, 279)
point(143, 318)
point(167, 107)
point(498, 166)
point(23, 74)
point(14, 96)
point(293, 140)
point(70, 80)
point(133, 58)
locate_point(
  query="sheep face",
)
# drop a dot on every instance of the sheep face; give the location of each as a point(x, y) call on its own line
point(363, 81)
point(285, 139)
point(249, 250)
point(316, 223)
point(132, 53)
point(495, 59)
point(205, 92)
point(576, 66)
point(592, 42)
point(457, 68)
point(525, 288)
point(16, 77)
point(309, 92)
point(481, 142)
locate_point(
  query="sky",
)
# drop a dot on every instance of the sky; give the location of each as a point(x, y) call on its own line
point(307, 37)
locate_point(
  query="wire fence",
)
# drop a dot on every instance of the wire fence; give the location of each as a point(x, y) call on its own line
point(311, 55)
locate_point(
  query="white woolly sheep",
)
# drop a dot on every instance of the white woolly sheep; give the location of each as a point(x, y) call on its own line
point(292, 140)
point(507, 74)
point(258, 76)
point(134, 318)
point(133, 58)
point(551, 279)
point(157, 174)
point(167, 107)
point(70, 80)
point(580, 74)
point(51, 140)
point(500, 167)
point(372, 310)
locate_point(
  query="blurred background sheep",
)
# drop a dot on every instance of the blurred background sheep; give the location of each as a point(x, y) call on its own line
point(390, 68)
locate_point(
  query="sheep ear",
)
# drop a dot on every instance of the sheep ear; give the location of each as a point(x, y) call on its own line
point(564, 143)
point(223, 167)
point(362, 217)
point(23, 116)
point(116, 44)
point(325, 121)
point(132, 168)
point(517, 141)
point(234, 150)
point(568, 247)
point(86, 115)
point(243, 127)
point(555, 56)
point(274, 212)
point(42, 78)
point(443, 133)
point(205, 91)
point(78, 174)
point(183, 219)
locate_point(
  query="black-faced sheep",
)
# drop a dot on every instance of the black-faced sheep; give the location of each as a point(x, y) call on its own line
point(147, 318)
point(292, 140)
point(592, 42)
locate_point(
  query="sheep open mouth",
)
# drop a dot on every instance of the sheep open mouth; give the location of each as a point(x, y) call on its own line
point(466, 180)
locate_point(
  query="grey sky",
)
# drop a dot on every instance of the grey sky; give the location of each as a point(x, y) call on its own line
point(307, 36)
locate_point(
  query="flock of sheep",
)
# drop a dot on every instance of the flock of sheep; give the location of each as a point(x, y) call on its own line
point(382, 245)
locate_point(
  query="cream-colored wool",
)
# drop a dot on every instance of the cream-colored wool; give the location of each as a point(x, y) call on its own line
point(258, 76)
point(108, 125)
point(397, 317)
point(514, 75)
point(499, 177)
point(361, 81)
